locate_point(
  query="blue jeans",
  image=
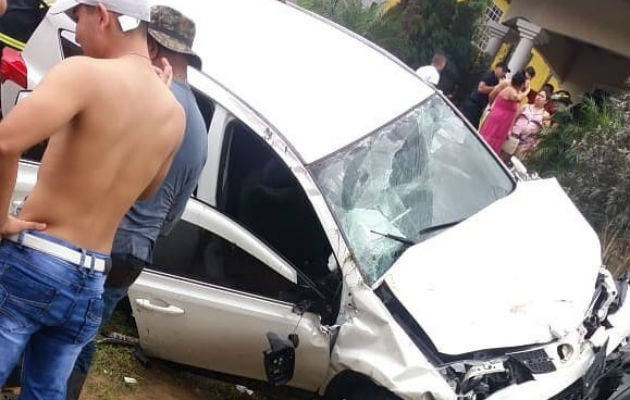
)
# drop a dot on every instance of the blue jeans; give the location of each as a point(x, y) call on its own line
point(49, 309)
point(111, 298)
point(125, 270)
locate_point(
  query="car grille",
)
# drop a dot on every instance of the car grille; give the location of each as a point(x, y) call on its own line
point(536, 361)
point(573, 392)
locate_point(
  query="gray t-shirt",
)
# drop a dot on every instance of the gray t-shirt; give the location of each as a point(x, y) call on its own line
point(141, 226)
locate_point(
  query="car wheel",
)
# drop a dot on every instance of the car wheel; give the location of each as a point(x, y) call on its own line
point(368, 392)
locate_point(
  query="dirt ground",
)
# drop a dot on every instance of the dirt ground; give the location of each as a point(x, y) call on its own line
point(162, 381)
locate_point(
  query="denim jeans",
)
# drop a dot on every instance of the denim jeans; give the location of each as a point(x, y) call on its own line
point(49, 309)
point(125, 270)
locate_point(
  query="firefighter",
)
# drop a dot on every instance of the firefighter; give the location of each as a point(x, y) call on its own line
point(20, 19)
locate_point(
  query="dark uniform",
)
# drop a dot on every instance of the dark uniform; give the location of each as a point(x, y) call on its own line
point(20, 21)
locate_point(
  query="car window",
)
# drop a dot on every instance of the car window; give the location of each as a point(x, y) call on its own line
point(68, 47)
point(206, 106)
point(258, 190)
point(193, 252)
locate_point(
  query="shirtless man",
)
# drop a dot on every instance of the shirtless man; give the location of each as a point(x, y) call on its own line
point(114, 128)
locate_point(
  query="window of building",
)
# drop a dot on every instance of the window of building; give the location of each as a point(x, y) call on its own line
point(494, 13)
point(482, 35)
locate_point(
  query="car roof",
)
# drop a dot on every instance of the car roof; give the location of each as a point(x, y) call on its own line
point(320, 86)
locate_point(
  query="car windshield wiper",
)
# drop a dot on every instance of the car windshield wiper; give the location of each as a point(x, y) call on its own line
point(438, 227)
point(395, 237)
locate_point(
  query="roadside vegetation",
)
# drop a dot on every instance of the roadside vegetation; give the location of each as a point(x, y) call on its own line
point(161, 381)
point(414, 30)
point(589, 153)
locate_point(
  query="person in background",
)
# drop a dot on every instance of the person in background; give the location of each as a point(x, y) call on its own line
point(530, 121)
point(18, 21)
point(549, 106)
point(530, 73)
point(478, 99)
point(431, 73)
point(497, 126)
point(170, 36)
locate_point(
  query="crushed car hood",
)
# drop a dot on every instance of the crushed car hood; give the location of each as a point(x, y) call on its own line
point(522, 271)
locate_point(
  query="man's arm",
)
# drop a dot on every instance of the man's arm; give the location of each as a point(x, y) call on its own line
point(3, 6)
point(51, 106)
point(495, 92)
point(179, 206)
point(484, 88)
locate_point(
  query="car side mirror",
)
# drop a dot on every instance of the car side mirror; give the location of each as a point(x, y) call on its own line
point(279, 359)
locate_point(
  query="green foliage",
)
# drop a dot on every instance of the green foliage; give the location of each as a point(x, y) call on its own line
point(371, 22)
point(414, 30)
point(589, 153)
point(447, 26)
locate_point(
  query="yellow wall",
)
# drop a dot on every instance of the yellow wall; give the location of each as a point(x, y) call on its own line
point(543, 72)
point(390, 3)
point(502, 4)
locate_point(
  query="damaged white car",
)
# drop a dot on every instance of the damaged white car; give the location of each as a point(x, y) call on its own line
point(352, 236)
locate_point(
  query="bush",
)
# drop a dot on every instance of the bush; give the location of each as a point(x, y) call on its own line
point(414, 30)
point(371, 22)
point(590, 154)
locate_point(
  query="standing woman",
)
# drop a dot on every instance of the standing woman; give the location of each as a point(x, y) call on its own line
point(497, 126)
point(529, 123)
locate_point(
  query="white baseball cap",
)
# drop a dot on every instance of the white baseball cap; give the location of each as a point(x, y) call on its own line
point(132, 12)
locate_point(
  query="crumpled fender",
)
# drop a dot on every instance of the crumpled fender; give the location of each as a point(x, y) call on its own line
point(371, 343)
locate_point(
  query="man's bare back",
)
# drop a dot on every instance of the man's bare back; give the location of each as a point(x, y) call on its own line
point(97, 165)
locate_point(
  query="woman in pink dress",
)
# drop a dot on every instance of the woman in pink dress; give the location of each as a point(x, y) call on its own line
point(529, 123)
point(497, 125)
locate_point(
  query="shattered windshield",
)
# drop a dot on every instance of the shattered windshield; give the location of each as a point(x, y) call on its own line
point(409, 180)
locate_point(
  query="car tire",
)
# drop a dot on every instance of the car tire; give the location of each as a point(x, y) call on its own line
point(368, 392)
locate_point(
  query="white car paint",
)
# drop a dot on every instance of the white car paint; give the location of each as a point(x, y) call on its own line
point(308, 88)
point(512, 285)
point(271, 79)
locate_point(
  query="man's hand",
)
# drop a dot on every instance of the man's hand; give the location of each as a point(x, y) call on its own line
point(165, 73)
point(13, 226)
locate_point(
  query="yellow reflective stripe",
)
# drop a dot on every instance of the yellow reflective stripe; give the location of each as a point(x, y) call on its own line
point(12, 42)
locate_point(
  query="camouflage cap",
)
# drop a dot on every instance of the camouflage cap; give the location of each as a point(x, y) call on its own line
point(174, 31)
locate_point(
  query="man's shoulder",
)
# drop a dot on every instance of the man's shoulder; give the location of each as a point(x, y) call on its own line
point(489, 76)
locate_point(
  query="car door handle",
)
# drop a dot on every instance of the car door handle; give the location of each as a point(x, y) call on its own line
point(169, 309)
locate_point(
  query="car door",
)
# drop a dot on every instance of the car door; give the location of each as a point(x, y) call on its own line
point(213, 294)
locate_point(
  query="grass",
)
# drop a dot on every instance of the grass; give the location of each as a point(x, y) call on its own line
point(112, 363)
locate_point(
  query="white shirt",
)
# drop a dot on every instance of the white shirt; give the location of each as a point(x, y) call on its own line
point(429, 73)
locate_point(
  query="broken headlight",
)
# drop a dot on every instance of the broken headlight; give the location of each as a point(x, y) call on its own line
point(473, 380)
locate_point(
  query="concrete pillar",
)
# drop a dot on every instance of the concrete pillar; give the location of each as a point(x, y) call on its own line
point(496, 33)
point(527, 33)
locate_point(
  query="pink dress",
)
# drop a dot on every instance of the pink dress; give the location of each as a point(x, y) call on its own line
point(527, 126)
point(497, 126)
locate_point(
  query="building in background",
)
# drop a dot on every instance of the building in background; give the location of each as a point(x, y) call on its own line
point(577, 45)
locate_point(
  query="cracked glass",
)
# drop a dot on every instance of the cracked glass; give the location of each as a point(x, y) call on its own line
point(425, 169)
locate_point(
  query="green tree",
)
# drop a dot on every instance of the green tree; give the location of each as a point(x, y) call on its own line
point(447, 26)
point(370, 22)
point(589, 153)
point(414, 30)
